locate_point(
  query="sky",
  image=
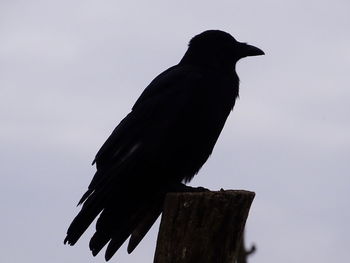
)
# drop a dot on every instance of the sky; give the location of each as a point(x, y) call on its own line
point(71, 70)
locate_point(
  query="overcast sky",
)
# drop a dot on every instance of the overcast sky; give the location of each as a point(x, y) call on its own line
point(70, 70)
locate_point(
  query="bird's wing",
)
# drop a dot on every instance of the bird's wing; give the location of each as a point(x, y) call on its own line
point(157, 110)
point(125, 161)
point(149, 103)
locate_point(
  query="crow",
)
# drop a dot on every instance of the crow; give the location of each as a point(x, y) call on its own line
point(162, 143)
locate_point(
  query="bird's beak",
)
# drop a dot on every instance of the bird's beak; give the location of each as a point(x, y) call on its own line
point(248, 50)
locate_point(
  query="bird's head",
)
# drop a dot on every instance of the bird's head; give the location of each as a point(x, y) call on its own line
point(218, 48)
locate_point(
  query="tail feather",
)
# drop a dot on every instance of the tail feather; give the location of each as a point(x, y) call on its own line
point(117, 241)
point(123, 232)
point(105, 225)
point(144, 225)
point(85, 196)
point(115, 222)
point(128, 211)
point(137, 224)
point(90, 210)
point(98, 241)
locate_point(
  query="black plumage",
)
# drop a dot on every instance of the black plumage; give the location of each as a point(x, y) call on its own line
point(163, 142)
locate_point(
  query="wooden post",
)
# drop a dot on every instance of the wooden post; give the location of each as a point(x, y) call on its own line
point(202, 227)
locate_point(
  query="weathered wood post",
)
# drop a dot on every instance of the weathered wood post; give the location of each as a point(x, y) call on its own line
point(202, 227)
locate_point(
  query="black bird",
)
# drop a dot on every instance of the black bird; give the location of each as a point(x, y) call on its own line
point(162, 143)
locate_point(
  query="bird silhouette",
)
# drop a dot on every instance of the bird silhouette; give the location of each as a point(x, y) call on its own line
point(162, 143)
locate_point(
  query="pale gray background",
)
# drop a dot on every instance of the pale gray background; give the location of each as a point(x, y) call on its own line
point(70, 70)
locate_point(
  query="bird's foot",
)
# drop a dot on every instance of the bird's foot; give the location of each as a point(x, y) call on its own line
point(182, 188)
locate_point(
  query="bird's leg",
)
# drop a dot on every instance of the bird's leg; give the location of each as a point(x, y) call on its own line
point(182, 188)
